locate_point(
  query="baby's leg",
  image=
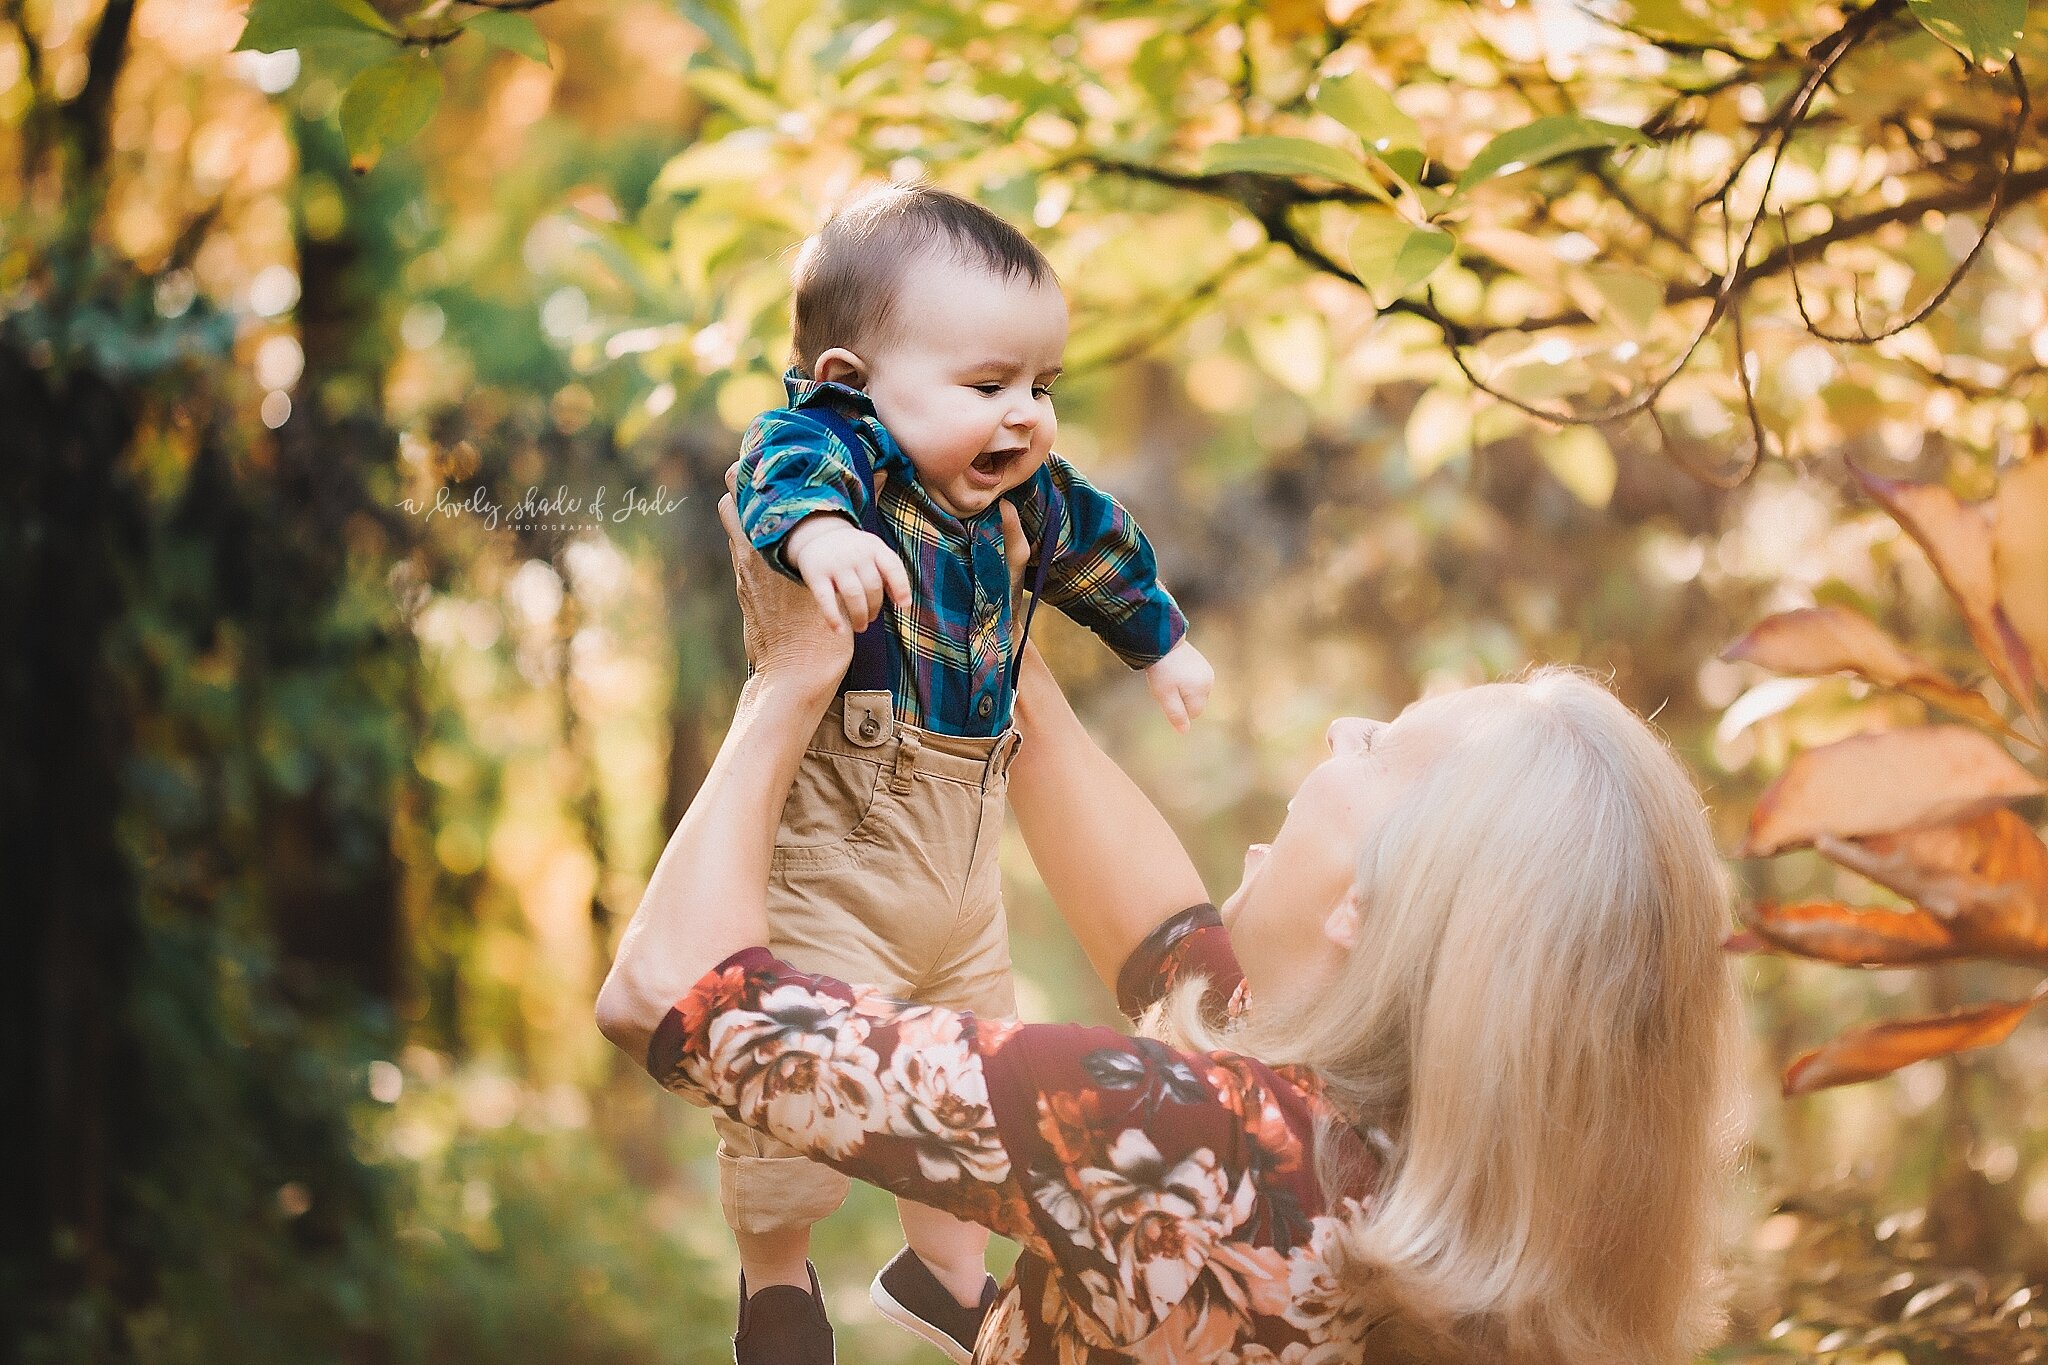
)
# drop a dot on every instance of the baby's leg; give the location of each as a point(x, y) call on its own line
point(775, 1258)
point(952, 1250)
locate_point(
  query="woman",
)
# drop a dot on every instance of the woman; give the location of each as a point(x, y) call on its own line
point(1445, 1080)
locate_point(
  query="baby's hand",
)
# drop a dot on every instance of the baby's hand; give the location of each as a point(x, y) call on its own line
point(846, 569)
point(1180, 682)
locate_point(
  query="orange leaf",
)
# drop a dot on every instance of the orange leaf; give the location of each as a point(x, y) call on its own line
point(1816, 640)
point(1856, 936)
point(1986, 878)
point(2020, 554)
point(1866, 1053)
point(1882, 783)
point(1957, 539)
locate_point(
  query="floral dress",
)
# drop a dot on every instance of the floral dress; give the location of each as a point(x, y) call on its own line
point(1165, 1201)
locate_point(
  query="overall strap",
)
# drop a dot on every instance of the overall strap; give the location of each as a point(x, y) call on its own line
point(1048, 542)
point(874, 663)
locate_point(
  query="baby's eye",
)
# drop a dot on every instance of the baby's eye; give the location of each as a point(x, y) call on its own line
point(1043, 390)
point(987, 388)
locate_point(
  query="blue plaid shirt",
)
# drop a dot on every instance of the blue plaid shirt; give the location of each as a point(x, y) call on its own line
point(953, 647)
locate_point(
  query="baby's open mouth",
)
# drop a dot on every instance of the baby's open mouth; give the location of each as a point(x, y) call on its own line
point(992, 461)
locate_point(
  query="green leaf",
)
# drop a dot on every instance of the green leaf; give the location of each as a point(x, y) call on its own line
point(274, 25)
point(388, 105)
point(513, 32)
point(1630, 298)
point(731, 91)
point(339, 37)
point(719, 20)
point(1545, 140)
point(1291, 156)
point(1363, 105)
point(1985, 32)
point(1671, 19)
point(1582, 461)
point(1391, 255)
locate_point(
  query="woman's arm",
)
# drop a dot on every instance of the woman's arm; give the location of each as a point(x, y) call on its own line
point(707, 898)
point(1113, 865)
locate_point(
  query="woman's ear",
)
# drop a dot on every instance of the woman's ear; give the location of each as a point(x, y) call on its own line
point(841, 366)
point(1341, 927)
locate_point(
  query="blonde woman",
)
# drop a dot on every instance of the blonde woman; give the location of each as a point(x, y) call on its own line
point(1445, 1080)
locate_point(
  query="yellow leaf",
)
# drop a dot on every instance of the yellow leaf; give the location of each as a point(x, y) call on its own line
point(1292, 348)
point(1582, 461)
point(1439, 430)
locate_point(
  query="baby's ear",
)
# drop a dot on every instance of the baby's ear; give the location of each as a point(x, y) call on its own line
point(841, 366)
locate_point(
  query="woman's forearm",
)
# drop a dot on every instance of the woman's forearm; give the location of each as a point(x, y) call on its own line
point(1113, 865)
point(707, 898)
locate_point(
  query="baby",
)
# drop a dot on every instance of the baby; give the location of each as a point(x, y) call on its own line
point(928, 335)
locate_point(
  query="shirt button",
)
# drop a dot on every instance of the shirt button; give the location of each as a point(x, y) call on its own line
point(982, 708)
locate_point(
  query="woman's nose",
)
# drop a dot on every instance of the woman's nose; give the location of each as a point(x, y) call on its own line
point(1350, 734)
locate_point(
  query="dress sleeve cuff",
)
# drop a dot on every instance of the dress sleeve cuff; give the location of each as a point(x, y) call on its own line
point(1142, 979)
point(677, 1030)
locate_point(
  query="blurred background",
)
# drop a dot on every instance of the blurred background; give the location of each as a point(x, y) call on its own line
point(370, 625)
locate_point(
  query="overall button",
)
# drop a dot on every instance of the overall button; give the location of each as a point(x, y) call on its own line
point(983, 707)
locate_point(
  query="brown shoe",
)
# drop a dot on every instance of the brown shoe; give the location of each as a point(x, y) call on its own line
point(783, 1325)
point(909, 1295)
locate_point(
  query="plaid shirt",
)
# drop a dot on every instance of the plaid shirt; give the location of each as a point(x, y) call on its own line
point(953, 647)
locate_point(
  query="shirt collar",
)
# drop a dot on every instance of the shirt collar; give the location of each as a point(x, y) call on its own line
point(804, 391)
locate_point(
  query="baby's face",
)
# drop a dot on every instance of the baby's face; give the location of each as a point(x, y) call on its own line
point(965, 387)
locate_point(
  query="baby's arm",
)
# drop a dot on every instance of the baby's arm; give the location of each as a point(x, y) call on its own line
point(847, 569)
point(1104, 575)
point(800, 499)
point(1180, 683)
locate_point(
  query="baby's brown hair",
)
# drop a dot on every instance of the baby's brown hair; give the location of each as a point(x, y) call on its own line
point(848, 272)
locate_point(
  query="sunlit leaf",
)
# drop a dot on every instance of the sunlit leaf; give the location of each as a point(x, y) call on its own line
point(1294, 19)
point(1392, 256)
point(1866, 1053)
point(1580, 459)
point(1883, 783)
point(1957, 539)
point(1364, 106)
point(2020, 557)
point(511, 31)
point(738, 156)
point(1291, 156)
point(1545, 140)
point(1630, 298)
point(1983, 31)
point(387, 106)
point(1854, 935)
point(1293, 348)
point(339, 37)
point(1671, 19)
point(1816, 640)
point(733, 92)
point(1439, 429)
point(1987, 875)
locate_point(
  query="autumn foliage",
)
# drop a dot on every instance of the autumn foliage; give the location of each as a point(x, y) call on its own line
point(1923, 810)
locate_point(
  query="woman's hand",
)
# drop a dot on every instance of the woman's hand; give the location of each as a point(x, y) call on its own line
point(784, 630)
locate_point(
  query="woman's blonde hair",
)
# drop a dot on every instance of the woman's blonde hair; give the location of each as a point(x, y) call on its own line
point(1540, 1021)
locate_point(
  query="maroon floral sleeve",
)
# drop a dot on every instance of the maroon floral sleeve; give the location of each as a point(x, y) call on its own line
point(1158, 1195)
